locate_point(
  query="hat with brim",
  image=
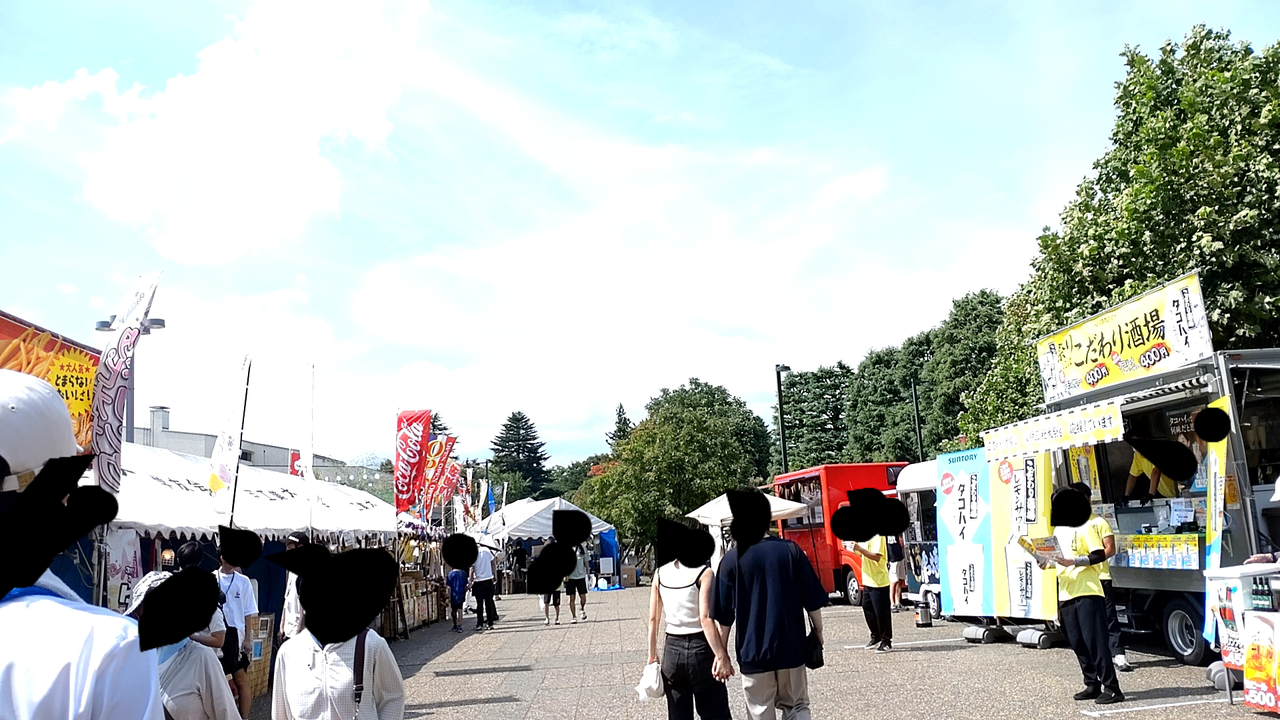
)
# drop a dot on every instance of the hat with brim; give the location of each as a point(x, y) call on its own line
point(146, 584)
point(35, 427)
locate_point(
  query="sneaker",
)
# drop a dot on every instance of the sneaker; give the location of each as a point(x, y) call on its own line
point(557, 622)
point(490, 626)
point(1088, 693)
point(546, 621)
point(479, 628)
point(584, 614)
point(895, 609)
point(875, 643)
point(884, 647)
point(1122, 664)
point(574, 621)
point(1110, 696)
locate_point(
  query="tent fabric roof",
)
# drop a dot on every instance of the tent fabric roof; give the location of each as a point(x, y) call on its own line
point(717, 512)
point(917, 477)
point(163, 491)
point(529, 519)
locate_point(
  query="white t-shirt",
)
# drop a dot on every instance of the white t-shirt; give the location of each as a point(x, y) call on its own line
point(316, 683)
point(291, 618)
point(193, 685)
point(61, 658)
point(484, 565)
point(240, 600)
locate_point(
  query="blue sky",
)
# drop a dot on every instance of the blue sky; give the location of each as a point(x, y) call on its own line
point(548, 207)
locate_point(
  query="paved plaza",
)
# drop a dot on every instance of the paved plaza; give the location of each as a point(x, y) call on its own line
point(587, 671)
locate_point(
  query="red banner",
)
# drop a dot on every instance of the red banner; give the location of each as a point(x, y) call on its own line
point(450, 481)
point(295, 458)
point(438, 470)
point(411, 429)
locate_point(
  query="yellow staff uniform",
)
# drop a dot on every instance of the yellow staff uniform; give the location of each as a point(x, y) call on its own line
point(1142, 466)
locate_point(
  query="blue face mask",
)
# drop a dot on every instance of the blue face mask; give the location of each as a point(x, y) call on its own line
point(168, 651)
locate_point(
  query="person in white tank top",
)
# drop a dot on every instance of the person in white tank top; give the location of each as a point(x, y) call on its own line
point(694, 648)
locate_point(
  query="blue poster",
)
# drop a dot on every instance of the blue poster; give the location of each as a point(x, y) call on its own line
point(964, 534)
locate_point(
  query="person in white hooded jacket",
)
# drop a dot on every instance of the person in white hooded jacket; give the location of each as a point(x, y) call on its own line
point(61, 657)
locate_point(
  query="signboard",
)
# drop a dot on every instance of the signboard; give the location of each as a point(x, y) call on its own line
point(964, 534)
point(67, 365)
point(1076, 427)
point(1260, 689)
point(224, 461)
point(1020, 490)
point(1214, 500)
point(124, 567)
point(1228, 603)
point(1161, 330)
point(412, 427)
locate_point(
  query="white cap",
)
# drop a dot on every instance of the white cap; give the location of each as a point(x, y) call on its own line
point(146, 584)
point(35, 425)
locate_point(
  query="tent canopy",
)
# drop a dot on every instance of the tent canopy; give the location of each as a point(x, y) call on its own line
point(162, 491)
point(717, 512)
point(528, 519)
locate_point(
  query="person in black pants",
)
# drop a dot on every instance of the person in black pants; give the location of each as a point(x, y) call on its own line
point(482, 574)
point(874, 580)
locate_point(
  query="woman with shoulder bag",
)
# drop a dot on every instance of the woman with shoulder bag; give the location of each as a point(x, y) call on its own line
point(683, 593)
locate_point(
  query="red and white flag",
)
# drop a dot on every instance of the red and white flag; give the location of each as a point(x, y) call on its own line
point(412, 428)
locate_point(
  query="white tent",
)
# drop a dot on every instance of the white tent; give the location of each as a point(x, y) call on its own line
point(163, 491)
point(527, 519)
point(918, 477)
point(717, 512)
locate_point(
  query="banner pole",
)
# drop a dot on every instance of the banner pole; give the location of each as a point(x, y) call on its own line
point(235, 482)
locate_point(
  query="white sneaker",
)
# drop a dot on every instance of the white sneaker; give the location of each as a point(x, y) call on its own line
point(546, 621)
point(584, 614)
point(1122, 663)
point(574, 621)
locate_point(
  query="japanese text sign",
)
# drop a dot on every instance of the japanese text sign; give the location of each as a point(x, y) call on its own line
point(67, 365)
point(1088, 425)
point(1156, 332)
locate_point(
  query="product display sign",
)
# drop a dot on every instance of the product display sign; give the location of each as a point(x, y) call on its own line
point(69, 366)
point(1020, 493)
point(1077, 427)
point(964, 534)
point(1227, 601)
point(1216, 474)
point(1260, 660)
point(1161, 330)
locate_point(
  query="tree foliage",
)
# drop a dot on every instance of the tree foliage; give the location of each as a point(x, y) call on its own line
point(438, 426)
point(622, 427)
point(566, 479)
point(517, 449)
point(696, 442)
point(963, 348)
point(881, 415)
point(815, 405)
point(1191, 181)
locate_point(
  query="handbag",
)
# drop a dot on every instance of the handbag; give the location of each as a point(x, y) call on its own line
point(650, 682)
point(813, 649)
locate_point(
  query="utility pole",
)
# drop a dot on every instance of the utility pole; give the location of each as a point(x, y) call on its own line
point(782, 423)
point(915, 403)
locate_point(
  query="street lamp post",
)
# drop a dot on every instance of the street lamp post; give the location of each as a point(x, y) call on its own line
point(147, 326)
point(782, 423)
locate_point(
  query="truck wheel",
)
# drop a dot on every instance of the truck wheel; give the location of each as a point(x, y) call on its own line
point(852, 592)
point(1182, 625)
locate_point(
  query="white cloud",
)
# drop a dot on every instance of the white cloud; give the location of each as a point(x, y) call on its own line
point(855, 187)
point(231, 159)
point(67, 289)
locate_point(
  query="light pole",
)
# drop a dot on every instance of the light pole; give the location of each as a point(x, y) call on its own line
point(147, 326)
point(782, 432)
point(915, 404)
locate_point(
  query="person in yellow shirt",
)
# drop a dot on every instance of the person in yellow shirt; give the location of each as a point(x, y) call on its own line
point(1083, 615)
point(1159, 483)
point(1100, 530)
point(874, 579)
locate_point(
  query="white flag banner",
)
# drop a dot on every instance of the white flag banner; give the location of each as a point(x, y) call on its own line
point(484, 493)
point(111, 382)
point(459, 514)
point(224, 463)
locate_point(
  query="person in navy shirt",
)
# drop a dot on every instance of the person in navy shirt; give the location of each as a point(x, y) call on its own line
point(457, 593)
point(766, 585)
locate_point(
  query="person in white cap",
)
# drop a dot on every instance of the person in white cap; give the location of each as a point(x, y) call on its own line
point(192, 685)
point(61, 657)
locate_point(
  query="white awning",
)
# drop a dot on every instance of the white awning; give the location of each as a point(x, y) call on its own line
point(918, 477)
point(717, 512)
point(527, 519)
point(163, 491)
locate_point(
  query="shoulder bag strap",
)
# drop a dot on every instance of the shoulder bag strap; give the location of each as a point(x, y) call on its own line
point(358, 685)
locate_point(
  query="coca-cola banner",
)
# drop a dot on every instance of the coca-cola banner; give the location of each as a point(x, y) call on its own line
point(411, 433)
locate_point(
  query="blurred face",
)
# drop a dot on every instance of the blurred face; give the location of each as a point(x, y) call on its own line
point(290, 545)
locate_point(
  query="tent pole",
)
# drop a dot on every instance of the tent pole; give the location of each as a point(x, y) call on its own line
point(235, 481)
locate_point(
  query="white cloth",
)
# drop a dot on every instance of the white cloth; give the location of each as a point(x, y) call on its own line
point(291, 617)
point(315, 683)
point(678, 588)
point(650, 683)
point(241, 602)
point(483, 565)
point(193, 686)
point(63, 658)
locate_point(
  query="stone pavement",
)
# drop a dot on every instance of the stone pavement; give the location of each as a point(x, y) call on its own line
point(587, 670)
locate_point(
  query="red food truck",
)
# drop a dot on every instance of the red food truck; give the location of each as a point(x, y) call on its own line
point(824, 489)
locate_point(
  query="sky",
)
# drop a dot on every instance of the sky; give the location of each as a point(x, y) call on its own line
point(548, 207)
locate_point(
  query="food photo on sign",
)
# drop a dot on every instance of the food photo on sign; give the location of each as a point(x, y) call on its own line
point(66, 364)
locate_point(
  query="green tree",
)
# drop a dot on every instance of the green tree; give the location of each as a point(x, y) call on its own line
point(518, 487)
point(696, 442)
point(517, 449)
point(566, 479)
point(963, 349)
point(881, 415)
point(1189, 182)
point(438, 426)
point(622, 427)
point(816, 403)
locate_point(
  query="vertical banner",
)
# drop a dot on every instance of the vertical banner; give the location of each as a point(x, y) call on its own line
point(67, 365)
point(111, 381)
point(412, 427)
point(1020, 490)
point(1084, 469)
point(295, 463)
point(224, 462)
point(1216, 475)
point(436, 467)
point(458, 514)
point(964, 534)
point(484, 490)
point(1229, 604)
point(492, 504)
point(124, 567)
point(1260, 689)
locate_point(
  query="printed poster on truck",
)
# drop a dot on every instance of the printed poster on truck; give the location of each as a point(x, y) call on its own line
point(67, 365)
point(964, 534)
point(1020, 491)
point(1161, 330)
point(1260, 660)
point(1214, 499)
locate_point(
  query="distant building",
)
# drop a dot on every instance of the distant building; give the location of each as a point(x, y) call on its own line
point(259, 455)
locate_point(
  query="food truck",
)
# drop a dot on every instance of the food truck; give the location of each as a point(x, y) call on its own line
point(1143, 369)
point(824, 490)
point(918, 489)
